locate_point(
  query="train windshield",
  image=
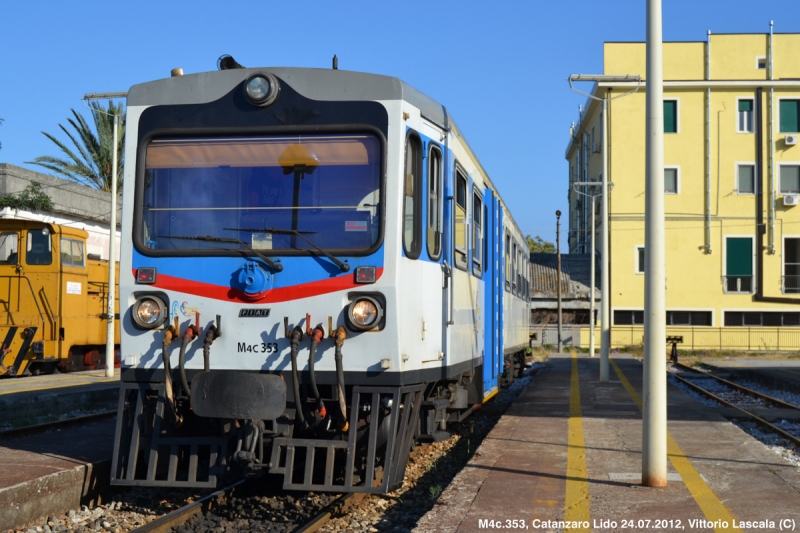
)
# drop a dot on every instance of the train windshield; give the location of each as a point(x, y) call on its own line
point(325, 187)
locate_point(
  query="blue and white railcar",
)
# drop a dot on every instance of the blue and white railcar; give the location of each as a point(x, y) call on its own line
point(316, 272)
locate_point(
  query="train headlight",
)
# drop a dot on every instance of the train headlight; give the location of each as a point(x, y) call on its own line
point(149, 312)
point(261, 89)
point(364, 313)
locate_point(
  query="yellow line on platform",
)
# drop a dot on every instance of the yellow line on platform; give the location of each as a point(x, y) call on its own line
point(713, 509)
point(576, 501)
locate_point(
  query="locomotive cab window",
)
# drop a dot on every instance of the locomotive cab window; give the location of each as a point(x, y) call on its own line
point(72, 253)
point(8, 248)
point(434, 226)
point(461, 220)
point(38, 250)
point(411, 197)
point(312, 191)
point(477, 233)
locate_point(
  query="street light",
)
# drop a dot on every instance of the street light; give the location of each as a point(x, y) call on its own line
point(112, 235)
point(593, 249)
point(605, 313)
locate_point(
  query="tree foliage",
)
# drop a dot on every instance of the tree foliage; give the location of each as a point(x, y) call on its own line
point(540, 246)
point(32, 197)
point(89, 162)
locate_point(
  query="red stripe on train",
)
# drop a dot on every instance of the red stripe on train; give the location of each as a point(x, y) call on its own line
point(282, 294)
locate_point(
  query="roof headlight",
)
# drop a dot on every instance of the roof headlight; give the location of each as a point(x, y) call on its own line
point(149, 312)
point(364, 313)
point(261, 89)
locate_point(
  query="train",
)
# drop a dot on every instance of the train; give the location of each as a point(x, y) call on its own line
point(53, 300)
point(316, 274)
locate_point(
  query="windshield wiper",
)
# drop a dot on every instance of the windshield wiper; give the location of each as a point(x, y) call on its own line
point(208, 238)
point(279, 231)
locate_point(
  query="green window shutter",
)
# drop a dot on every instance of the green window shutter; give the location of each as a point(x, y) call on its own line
point(739, 256)
point(789, 115)
point(745, 105)
point(670, 116)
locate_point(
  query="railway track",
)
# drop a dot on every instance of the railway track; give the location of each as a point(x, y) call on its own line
point(737, 397)
point(45, 426)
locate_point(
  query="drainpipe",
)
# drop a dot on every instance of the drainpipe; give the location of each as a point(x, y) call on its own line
point(771, 141)
point(707, 232)
point(760, 229)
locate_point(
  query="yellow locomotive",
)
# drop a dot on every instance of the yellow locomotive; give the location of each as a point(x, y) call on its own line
point(53, 300)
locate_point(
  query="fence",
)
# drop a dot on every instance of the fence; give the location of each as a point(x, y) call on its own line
point(694, 338)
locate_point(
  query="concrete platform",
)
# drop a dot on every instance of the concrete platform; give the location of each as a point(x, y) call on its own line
point(32, 399)
point(569, 450)
point(52, 472)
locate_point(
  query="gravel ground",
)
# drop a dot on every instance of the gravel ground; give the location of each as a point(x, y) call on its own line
point(772, 441)
point(430, 470)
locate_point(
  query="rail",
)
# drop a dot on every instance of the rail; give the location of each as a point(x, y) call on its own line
point(785, 434)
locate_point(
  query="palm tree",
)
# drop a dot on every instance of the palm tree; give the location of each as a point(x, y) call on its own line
point(91, 161)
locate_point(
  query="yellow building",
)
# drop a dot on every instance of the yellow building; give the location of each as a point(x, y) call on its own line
point(732, 180)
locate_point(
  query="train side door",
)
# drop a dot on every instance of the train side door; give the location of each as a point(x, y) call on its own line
point(493, 276)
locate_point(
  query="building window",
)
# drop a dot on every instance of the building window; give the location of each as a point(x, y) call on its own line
point(790, 178)
point(739, 265)
point(412, 197)
point(628, 318)
point(744, 124)
point(746, 179)
point(688, 318)
point(434, 230)
point(640, 259)
point(461, 220)
point(761, 62)
point(791, 265)
point(477, 233)
point(789, 116)
point(671, 180)
point(670, 116)
point(762, 318)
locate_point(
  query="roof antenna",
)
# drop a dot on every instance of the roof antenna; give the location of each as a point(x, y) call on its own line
point(335, 62)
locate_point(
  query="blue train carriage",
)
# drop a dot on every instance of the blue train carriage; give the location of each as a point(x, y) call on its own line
point(318, 273)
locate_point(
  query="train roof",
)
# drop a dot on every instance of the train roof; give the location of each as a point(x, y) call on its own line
point(313, 83)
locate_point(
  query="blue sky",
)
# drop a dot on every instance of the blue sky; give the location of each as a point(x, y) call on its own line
point(500, 67)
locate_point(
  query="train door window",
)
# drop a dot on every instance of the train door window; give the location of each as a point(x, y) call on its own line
point(477, 233)
point(38, 250)
point(508, 262)
point(8, 248)
point(461, 220)
point(434, 227)
point(411, 198)
point(72, 253)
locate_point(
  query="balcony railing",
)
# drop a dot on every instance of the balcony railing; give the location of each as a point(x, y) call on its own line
point(790, 284)
point(737, 284)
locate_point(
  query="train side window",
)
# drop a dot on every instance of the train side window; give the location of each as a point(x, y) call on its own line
point(477, 233)
point(8, 248)
point(38, 250)
point(72, 253)
point(514, 268)
point(434, 227)
point(411, 198)
point(508, 262)
point(461, 220)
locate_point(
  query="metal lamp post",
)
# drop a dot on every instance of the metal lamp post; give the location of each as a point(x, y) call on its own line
point(112, 236)
point(605, 313)
point(591, 297)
